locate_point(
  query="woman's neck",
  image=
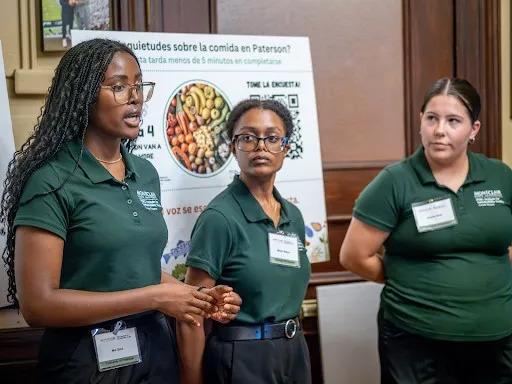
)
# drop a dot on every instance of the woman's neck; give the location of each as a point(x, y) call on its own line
point(103, 147)
point(261, 189)
point(451, 175)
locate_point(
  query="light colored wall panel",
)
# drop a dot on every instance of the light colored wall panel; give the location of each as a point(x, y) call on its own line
point(357, 55)
point(19, 33)
point(28, 69)
point(10, 35)
point(347, 316)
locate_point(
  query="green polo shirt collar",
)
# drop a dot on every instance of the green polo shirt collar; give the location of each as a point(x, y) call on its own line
point(249, 205)
point(420, 165)
point(93, 168)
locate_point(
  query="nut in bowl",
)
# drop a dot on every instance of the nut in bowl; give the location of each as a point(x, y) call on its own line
point(196, 128)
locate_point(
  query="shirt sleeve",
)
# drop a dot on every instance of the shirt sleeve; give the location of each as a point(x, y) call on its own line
point(508, 177)
point(210, 243)
point(377, 204)
point(42, 207)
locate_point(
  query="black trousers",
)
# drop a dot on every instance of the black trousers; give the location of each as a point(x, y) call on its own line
point(67, 355)
point(273, 361)
point(67, 15)
point(406, 358)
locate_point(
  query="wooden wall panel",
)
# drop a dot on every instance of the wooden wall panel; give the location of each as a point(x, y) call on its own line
point(18, 355)
point(341, 187)
point(428, 55)
point(459, 38)
point(186, 16)
point(356, 48)
point(477, 31)
point(162, 16)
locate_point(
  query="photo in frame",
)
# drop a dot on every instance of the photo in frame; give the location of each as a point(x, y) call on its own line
point(59, 17)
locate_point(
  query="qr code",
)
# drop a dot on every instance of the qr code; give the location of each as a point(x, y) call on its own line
point(292, 102)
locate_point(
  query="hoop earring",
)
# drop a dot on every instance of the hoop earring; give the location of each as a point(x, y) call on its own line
point(471, 140)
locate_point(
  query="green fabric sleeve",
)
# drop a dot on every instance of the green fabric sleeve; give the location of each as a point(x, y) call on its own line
point(41, 208)
point(377, 204)
point(210, 243)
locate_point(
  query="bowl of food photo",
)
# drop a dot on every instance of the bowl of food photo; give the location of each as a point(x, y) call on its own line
point(195, 128)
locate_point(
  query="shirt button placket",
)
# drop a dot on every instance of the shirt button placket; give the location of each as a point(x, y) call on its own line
point(129, 201)
point(460, 198)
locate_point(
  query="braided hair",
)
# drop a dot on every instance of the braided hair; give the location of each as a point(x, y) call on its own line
point(64, 117)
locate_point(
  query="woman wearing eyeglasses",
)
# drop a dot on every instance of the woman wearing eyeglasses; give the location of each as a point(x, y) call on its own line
point(85, 232)
point(240, 240)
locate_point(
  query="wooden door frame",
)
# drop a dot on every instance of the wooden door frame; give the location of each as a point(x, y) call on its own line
point(458, 38)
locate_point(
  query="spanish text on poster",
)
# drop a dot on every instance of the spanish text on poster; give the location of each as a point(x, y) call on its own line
point(198, 80)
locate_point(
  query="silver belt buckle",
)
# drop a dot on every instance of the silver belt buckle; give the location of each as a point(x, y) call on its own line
point(290, 328)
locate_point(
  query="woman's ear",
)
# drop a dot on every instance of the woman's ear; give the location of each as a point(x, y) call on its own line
point(475, 128)
point(286, 149)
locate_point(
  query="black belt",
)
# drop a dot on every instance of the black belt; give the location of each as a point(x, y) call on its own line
point(287, 329)
point(135, 320)
point(130, 320)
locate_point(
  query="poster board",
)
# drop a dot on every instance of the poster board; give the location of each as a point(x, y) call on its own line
point(190, 69)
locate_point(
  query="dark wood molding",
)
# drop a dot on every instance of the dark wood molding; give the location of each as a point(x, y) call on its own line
point(19, 354)
point(340, 165)
point(213, 16)
point(19, 344)
point(477, 58)
point(428, 37)
point(129, 15)
point(459, 38)
point(179, 16)
point(325, 278)
point(154, 15)
point(339, 218)
point(408, 79)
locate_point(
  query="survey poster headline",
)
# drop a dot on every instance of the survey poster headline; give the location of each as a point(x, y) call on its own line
point(156, 51)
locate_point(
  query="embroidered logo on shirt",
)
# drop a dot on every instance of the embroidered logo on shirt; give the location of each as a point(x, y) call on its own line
point(149, 200)
point(488, 198)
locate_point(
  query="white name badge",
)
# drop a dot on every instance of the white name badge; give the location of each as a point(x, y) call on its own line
point(116, 350)
point(283, 250)
point(434, 214)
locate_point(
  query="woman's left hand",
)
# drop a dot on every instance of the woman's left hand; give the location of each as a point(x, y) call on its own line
point(227, 302)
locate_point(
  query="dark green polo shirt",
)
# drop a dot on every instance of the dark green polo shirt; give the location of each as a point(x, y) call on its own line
point(114, 233)
point(230, 243)
point(453, 283)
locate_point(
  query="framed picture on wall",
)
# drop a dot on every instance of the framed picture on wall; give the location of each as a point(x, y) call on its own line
point(59, 17)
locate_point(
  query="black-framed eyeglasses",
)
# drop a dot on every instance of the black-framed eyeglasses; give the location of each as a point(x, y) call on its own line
point(247, 143)
point(123, 92)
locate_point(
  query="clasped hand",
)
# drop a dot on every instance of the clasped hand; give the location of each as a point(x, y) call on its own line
point(184, 302)
point(226, 305)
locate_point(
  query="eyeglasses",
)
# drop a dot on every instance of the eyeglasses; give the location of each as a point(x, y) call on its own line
point(249, 143)
point(123, 92)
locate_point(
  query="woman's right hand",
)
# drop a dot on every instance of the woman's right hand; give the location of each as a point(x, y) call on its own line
point(183, 301)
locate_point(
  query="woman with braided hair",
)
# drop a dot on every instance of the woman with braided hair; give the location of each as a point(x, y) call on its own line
point(85, 232)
